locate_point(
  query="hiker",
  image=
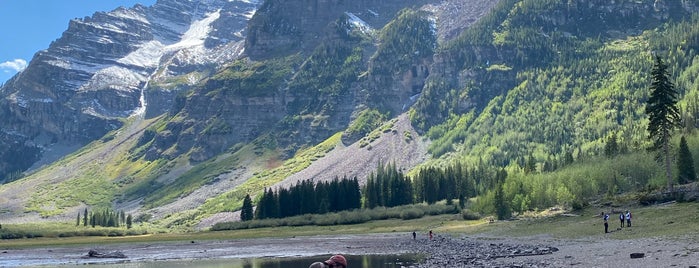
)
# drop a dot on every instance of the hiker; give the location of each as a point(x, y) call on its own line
point(606, 224)
point(621, 218)
point(335, 261)
point(628, 218)
point(414, 235)
point(430, 234)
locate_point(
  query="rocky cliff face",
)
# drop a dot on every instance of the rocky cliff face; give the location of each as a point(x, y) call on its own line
point(109, 66)
point(142, 60)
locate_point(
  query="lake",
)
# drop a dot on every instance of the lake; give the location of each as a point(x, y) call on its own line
point(366, 261)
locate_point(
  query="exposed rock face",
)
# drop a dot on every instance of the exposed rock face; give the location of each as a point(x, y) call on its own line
point(288, 26)
point(77, 90)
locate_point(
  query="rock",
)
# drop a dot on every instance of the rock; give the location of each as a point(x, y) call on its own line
point(96, 254)
point(637, 255)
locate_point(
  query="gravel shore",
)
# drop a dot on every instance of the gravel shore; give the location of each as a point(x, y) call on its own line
point(442, 251)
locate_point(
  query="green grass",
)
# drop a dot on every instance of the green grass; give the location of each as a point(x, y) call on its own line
point(233, 200)
point(677, 220)
point(672, 221)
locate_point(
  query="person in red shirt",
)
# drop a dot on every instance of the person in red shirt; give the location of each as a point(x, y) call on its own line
point(336, 261)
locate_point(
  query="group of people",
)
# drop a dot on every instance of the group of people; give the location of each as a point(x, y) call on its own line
point(622, 217)
point(336, 261)
point(431, 236)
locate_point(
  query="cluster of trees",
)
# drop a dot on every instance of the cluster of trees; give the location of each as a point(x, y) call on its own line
point(104, 218)
point(387, 187)
point(305, 197)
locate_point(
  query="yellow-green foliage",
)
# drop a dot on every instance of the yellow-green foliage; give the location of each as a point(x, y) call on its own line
point(46, 233)
point(577, 184)
point(233, 200)
point(92, 189)
point(367, 121)
point(498, 67)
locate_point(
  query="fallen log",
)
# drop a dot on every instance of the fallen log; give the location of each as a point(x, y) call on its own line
point(96, 254)
point(544, 251)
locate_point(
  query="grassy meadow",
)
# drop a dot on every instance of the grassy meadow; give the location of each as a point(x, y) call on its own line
point(673, 220)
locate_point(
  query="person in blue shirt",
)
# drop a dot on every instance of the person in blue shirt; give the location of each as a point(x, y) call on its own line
point(606, 223)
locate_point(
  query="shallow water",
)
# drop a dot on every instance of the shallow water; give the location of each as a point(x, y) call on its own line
point(366, 261)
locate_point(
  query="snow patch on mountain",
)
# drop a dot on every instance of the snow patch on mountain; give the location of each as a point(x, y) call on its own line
point(197, 32)
point(148, 55)
point(358, 23)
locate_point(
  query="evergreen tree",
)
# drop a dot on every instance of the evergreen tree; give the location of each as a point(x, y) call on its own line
point(530, 165)
point(122, 217)
point(611, 148)
point(85, 219)
point(246, 212)
point(502, 207)
point(129, 221)
point(663, 115)
point(685, 164)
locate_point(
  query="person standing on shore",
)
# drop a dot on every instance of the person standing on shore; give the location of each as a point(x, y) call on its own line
point(430, 235)
point(414, 235)
point(606, 223)
point(628, 218)
point(621, 218)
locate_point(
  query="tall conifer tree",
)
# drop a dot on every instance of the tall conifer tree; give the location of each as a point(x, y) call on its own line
point(685, 163)
point(246, 213)
point(663, 115)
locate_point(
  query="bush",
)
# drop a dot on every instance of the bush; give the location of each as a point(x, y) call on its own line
point(328, 219)
point(438, 209)
point(11, 235)
point(353, 217)
point(412, 213)
point(469, 215)
point(115, 233)
point(300, 220)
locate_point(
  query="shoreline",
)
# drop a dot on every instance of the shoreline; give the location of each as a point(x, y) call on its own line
point(443, 250)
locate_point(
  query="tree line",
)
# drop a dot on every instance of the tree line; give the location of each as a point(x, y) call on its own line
point(386, 187)
point(104, 218)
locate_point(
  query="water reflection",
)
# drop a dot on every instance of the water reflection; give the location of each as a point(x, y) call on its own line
point(366, 261)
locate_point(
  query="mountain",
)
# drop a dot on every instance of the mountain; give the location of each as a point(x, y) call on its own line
point(97, 73)
point(174, 112)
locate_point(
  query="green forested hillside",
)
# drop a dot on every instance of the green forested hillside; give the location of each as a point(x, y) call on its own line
point(548, 84)
point(552, 79)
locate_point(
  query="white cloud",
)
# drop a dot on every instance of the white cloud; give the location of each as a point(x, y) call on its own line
point(16, 65)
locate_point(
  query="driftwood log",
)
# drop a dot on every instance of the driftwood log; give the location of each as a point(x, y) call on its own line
point(96, 254)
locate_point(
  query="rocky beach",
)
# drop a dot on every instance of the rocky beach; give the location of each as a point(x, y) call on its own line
point(441, 251)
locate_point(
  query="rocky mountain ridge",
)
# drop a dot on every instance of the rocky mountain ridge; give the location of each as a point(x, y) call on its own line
point(215, 100)
point(103, 69)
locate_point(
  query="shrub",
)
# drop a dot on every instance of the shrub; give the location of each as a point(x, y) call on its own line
point(327, 219)
point(300, 220)
point(353, 217)
point(11, 235)
point(470, 215)
point(412, 213)
point(115, 233)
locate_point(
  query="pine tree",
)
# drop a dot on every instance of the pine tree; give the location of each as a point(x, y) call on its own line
point(129, 221)
point(611, 148)
point(502, 206)
point(663, 115)
point(85, 219)
point(246, 212)
point(685, 164)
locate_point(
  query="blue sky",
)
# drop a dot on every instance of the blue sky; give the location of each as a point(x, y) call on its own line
point(27, 26)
